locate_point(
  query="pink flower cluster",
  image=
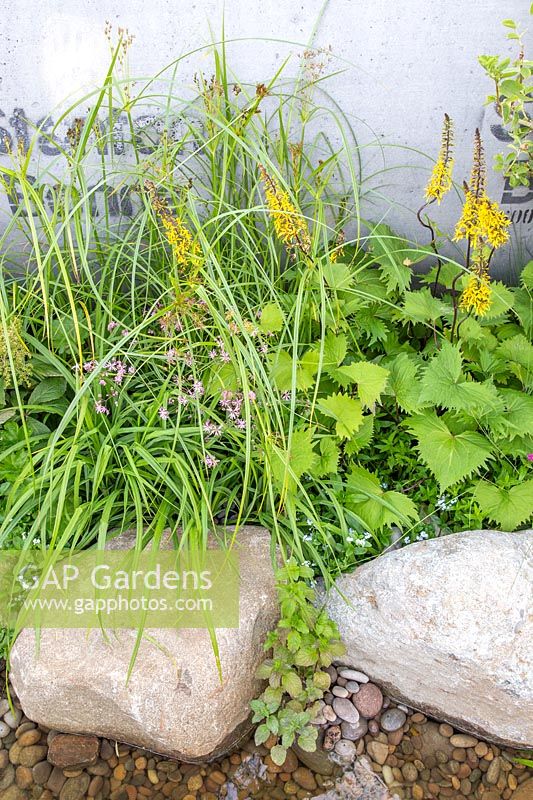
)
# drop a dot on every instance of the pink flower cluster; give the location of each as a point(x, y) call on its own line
point(112, 375)
point(231, 403)
point(220, 352)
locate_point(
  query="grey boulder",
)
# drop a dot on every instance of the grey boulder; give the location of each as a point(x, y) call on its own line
point(446, 626)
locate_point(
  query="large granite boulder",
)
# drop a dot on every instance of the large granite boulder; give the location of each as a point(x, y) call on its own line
point(174, 702)
point(446, 626)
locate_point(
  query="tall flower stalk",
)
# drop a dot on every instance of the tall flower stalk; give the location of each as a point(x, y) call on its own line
point(485, 228)
point(440, 182)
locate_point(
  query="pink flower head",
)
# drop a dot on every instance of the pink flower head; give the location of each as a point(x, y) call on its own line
point(211, 461)
point(89, 366)
point(112, 325)
point(213, 354)
point(100, 408)
point(212, 429)
point(240, 424)
point(183, 400)
point(197, 389)
point(163, 413)
point(252, 396)
point(530, 456)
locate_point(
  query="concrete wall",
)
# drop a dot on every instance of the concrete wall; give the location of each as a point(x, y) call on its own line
point(407, 62)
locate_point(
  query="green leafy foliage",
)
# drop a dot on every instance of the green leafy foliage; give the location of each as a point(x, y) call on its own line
point(374, 506)
point(303, 644)
point(345, 410)
point(508, 507)
point(513, 86)
point(450, 456)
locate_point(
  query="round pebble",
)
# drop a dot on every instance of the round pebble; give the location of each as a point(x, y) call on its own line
point(352, 686)
point(392, 720)
point(340, 691)
point(345, 709)
point(368, 700)
point(353, 732)
point(5, 730)
point(13, 718)
point(345, 748)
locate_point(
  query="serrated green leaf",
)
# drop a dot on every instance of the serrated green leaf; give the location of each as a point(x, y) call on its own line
point(329, 457)
point(322, 680)
point(371, 380)
point(292, 684)
point(517, 417)
point(305, 657)
point(526, 276)
point(509, 508)
point(450, 457)
point(376, 507)
point(421, 306)
point(368, 321)
point(335, 347)
point(345, 410)
point(502, 300)
point(308, 738)
point(443, 384)
point(362, 436)
point(390, 252)
point(404, 382)
point(281, 370)
point(294, 640)
point(338, 276)
point(523, 308)
point(262, 733)
point(271, 320)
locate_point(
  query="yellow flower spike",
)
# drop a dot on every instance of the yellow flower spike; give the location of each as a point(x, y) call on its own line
point(468, 224)
point(477, 295)
point(482, 220)
point(440, 181)
point(185, 247)
point(289, 224)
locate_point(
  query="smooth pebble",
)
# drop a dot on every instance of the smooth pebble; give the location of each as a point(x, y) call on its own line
point(392, 719)
point(345, 709)
point(354, 675)
point(345, 748)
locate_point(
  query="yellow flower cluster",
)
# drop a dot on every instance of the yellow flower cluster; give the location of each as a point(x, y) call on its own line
point(440, 180)
point(185, 247)
point(482, 220)
point(477, 295)
point(493, 222)
point(289, 224)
